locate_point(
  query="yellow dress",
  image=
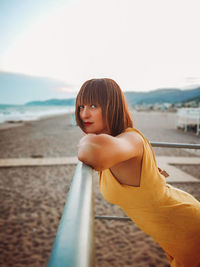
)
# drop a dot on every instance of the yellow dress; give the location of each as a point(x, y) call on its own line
point(169, 215)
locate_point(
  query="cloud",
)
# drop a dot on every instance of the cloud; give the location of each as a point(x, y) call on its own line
point(141, 44)
point(65, 89)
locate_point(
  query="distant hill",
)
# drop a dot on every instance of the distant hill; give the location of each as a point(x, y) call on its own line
point(16, 88)
point(159, 96)
point(194, 99)
point(53, 102)
point(162, 96)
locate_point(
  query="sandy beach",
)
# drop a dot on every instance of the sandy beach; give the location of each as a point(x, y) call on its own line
point(32, 198)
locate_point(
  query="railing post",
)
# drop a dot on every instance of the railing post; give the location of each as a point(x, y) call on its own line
point(74, 243)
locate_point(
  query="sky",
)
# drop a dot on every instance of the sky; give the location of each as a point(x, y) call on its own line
point(141, 44)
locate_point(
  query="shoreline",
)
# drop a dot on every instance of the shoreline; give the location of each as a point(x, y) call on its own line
point(12, 124)
point(8, 125)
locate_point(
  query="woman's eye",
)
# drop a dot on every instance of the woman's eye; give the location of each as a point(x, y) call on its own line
point(81, 107)
point(93, 106)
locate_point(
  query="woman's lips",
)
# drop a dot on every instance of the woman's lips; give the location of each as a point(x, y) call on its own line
point(87, 123)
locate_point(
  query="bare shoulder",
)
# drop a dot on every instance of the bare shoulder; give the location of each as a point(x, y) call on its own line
point(131, 136)
point(132, 139)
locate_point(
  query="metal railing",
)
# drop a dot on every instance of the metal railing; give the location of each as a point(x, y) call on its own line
point(175, 145)
point(74, 243)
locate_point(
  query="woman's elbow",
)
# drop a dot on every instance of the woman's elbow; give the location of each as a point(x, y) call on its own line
point(82, 157)
point(92, 162)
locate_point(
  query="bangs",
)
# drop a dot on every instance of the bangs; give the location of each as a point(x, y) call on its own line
point(92, 93)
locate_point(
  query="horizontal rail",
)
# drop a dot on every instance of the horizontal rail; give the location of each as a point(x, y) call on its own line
point(105, 217)
point(74, 243)
point(175, 145)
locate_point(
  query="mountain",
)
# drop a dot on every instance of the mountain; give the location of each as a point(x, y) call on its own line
point(135, 98)
point(162, 96)
point(193, 99)
point(53, 102)
point(18, 88)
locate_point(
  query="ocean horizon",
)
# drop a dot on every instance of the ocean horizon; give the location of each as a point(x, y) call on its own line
point(16, 113)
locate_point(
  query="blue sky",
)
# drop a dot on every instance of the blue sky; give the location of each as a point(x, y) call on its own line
point(17, 16)
point(141, 44)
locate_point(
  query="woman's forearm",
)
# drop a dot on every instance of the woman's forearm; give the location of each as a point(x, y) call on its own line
point(88, 152)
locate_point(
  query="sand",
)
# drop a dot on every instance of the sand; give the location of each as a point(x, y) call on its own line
point(32, 198)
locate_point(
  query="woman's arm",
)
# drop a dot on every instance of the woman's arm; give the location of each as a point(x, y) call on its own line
point(104, 151)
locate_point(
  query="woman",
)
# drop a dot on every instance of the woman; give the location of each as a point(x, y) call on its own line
point(129, 176)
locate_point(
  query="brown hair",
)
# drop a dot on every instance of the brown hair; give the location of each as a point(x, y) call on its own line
point(106, 93)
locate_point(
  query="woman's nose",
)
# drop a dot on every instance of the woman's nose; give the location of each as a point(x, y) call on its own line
point(85, 113)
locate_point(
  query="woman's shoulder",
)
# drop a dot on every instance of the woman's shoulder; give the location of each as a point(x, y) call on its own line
point(136, 134)
point(132, 129)
point(133, 139)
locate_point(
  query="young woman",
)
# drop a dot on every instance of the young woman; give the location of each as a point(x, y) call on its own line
point(129, 176)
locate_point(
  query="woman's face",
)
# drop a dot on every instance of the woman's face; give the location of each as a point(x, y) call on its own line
point(92, 118)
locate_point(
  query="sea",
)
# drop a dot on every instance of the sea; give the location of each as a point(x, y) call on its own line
point(16, 113)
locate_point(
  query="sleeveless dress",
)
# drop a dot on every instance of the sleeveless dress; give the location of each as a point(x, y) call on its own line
point(169, 215)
